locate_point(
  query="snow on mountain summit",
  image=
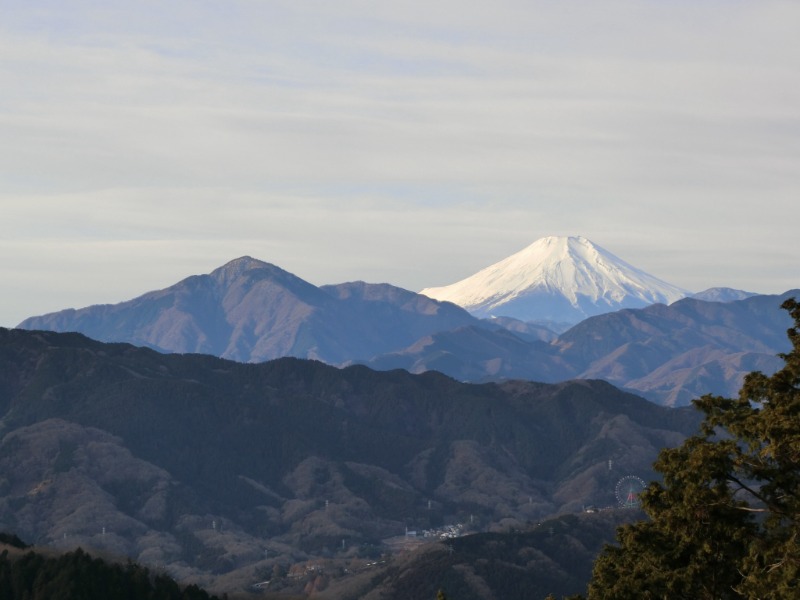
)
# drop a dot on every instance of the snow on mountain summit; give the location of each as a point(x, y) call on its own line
point(563, 279)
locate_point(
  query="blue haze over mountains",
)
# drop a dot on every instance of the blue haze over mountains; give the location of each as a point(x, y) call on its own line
point(164, 446)
point(252, 311)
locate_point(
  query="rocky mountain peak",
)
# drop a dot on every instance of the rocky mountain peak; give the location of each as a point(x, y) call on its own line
point(235, 268)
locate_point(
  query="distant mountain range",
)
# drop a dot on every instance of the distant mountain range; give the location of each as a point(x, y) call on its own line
point(216, 471)
point(251, 311)
point(668, 354)
point(557, 279)
point(722, 294)
point(225, 473)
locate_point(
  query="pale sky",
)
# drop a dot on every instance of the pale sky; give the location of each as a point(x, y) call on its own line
point(404, 142)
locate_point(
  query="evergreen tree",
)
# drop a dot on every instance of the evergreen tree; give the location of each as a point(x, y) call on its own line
point(725, 522)
point(77, 576)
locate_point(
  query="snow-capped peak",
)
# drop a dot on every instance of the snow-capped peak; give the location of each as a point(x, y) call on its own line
point(557, 278)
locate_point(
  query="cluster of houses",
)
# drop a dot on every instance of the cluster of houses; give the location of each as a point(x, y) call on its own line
point(442, 533)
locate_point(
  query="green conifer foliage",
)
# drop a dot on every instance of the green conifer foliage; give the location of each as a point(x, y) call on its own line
point(725, 522)
point(77, 576)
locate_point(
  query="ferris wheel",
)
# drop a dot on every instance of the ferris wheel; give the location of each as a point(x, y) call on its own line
point(628, 490)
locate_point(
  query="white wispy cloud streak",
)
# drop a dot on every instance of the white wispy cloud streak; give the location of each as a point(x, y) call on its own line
point(408, 142)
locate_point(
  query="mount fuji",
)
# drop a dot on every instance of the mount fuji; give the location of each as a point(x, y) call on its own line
point(557, 280)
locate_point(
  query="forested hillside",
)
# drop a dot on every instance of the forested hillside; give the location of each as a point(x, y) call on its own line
point(212, 467)
point(29, 575)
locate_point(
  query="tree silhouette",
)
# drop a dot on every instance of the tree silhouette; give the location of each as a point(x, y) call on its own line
point(725, 522)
